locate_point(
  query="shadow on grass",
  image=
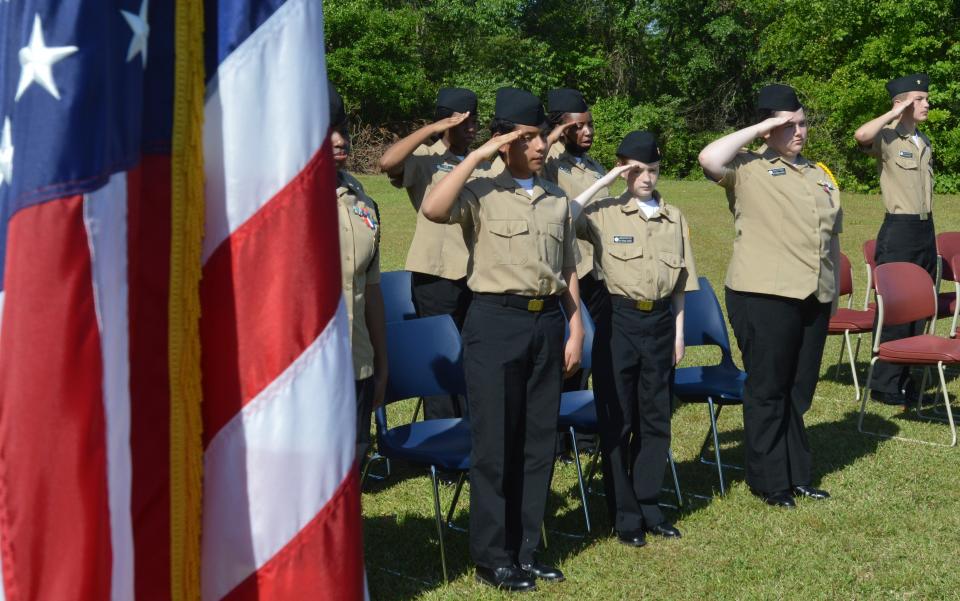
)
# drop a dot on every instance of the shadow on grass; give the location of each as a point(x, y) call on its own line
point(402, 552)
point(835, 444)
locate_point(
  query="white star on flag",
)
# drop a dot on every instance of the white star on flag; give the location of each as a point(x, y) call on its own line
point(141, 31)
point(6, 153)
point(36, 61)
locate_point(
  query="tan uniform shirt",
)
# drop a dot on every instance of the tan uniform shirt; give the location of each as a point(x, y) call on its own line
point(643, 258)
point(437, 249)
point(786, 216)
point(906, 171)
point(519, 243)
point(359, 264)
point(573, 177)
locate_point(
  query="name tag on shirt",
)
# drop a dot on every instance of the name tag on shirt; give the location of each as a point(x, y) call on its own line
point(445, 167)
point(623, 239)
point(777, 171)
point(906, 154)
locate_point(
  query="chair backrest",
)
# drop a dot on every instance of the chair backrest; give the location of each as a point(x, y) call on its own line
point(703, 322)
point(948, 246)
point(586, 358)
point(906, 293)
point(846, 276)
point(425, 358)
point(397, 296)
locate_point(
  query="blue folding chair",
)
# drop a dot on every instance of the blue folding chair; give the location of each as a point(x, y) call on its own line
point(578, 415)
point(717, 385)
point(425, 357)
point(397, 296)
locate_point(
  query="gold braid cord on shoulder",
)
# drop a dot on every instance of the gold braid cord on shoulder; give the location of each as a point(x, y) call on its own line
point(187, 211)
point(829, 174)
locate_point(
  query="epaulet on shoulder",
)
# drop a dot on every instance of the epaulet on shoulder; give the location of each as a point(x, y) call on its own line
point(551, 187)
point(351, 181)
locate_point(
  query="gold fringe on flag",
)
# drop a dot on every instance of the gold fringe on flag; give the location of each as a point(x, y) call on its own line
point(829, 174)
point(186, 446)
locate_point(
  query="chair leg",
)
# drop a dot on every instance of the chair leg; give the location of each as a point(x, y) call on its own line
point(836, 367)
point(676, 480)
point(716, 444)
point(946, 401)
point(594, 463)
point(439, 519)
point(853, 363)
point(583, 490)
point(453, 504)
point(416, 410)
point(946, 404)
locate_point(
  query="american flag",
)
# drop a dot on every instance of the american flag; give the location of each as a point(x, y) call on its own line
point(86, 97)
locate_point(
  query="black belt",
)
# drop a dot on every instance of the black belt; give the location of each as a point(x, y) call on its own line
point(907, 217)
point(640, 305)
point(534, 304)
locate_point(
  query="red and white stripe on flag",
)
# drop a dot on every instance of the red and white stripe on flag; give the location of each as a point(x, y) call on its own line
point(281, 493)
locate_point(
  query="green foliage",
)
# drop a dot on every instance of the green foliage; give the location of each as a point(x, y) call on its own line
point(687, 70)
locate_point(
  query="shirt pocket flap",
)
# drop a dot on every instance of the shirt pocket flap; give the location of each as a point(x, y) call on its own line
point(906, 163)
point(626, 252)
point(507, 227)
point(555, 230)
point(672, 259)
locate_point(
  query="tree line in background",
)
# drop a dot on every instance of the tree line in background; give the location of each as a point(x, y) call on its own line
point(688, 71)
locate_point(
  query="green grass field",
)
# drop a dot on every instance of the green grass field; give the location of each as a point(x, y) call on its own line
point(891, 530)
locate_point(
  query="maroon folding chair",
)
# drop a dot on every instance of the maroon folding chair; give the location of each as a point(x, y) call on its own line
point(905, 294)
point(948, 247)
point(870, 264)
point(849, 321)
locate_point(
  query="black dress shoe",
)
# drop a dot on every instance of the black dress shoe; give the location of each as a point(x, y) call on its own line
point(506, 578)
point(811, 492)
point(665, 529)
point(542, 571)
point(780, 498)
point(632, 539)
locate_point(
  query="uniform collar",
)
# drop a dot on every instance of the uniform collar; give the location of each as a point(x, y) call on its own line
point(505, 180)
point(903, 132)
point(773, 156)
point(444, 152)
point(568, 157)
point(629, 206)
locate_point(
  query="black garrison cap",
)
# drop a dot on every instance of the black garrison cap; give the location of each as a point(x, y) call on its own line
point(458, 100)
point(338, 116)
point(640, 146)
point(518, 106)
point(918, 82)
point(778, 97)
point(566, 100)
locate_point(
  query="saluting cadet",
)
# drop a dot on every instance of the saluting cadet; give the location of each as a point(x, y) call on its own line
point(360, 268)
point(905, 161)
point(643, 247)
point(522, 266)
point(570, 166)
point(781, 286)
point(437, 258)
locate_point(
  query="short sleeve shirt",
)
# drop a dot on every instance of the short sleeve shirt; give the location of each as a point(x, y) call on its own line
point(519, 243)
point(906, 170)
point(437, 249)
point(643, 258)
point(573, 177)
point(359, 263)
point(785, 216)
